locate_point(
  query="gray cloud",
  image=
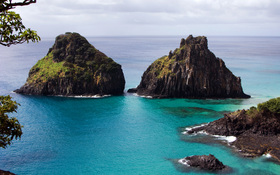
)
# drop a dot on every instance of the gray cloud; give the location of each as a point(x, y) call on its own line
point(101, 16)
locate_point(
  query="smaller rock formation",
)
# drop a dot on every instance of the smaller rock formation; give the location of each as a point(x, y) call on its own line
point(257, 130)
point(132, 90)
point(204, 162)
point(191, 71)
point(74, 67)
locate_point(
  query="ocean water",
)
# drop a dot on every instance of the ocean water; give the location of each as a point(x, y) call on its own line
point(129, 134)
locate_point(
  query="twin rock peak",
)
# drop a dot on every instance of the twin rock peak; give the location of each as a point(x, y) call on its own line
point(74, 67)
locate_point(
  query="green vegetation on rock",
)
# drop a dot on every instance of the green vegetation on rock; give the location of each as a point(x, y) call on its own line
point(160, 66)
point(272, 105)
point(47, 68)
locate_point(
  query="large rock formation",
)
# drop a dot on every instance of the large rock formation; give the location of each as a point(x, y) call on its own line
point(257, 130)
point(74, 67)
point(192, 71)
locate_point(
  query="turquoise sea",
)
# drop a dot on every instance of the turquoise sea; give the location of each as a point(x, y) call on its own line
point(129, 134)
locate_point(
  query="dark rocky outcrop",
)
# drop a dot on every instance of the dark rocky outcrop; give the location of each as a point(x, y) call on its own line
point(257, 130)
point(6, 173)
point(132, 90)
point(74, 67)
point(239, 122)
point(191, 71)
point(204, 162)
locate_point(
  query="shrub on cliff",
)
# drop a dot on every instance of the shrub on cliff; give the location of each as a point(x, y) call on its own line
point(272, 105)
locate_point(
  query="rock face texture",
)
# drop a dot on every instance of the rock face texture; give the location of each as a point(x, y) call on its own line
point(74, 67)
point(192, 71)
point(204, 162)
point(239, 122)
point(257, 130)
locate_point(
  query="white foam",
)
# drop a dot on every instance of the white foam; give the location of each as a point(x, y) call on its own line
point(85, 96)
point(267, 155)
point(229, 139)
point(193, 127)
point(203, 132)
point(184, 162)
point(143, 96)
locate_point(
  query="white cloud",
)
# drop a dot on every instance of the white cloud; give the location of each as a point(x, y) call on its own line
point(119, 17)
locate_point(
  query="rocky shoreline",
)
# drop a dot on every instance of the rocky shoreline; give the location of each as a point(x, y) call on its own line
point(257, 130)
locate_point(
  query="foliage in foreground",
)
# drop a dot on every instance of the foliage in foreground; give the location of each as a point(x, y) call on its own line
point(12, 30)
point(9, 4)
point(10, 128)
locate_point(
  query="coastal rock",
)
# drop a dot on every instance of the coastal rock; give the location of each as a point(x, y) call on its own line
point(257, 130)
point(191, 71)
point(238, 123)
point(74, 67)
point(132, 90)
point(6, 173)
point(204, 162)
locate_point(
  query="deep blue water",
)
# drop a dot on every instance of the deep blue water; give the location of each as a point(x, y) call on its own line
point(129, 134)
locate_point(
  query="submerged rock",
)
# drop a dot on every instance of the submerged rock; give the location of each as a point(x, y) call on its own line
point(257, 130)
point(204, 162)
point(74, 67)
point(191, 71)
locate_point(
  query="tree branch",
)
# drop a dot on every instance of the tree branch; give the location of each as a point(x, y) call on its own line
point(10, 5)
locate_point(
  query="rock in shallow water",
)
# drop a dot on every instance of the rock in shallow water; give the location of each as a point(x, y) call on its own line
point(204, 162)
point(191, 71)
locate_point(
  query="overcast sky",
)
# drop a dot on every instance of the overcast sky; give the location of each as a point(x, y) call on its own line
point(153, 17)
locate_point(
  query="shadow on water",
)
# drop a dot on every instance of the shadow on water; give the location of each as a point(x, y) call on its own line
point(25, 158)
point(230, 101)
point(184, 112)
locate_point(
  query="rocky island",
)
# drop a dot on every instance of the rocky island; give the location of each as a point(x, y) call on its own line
point(191, 71)
point(257, 130)
point(204, 162)
point(74, 67)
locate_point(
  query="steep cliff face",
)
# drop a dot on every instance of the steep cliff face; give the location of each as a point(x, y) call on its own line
point(74, 67)
point(191, 71)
